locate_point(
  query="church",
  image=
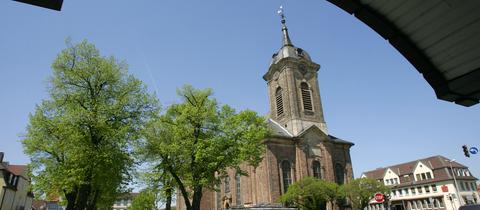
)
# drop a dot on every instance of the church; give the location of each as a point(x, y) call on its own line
point(299, 146)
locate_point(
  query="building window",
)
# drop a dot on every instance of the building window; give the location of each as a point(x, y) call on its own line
point(474, 186)
point(286, 174)
point(429, 175)
point(418, 177)
point(306, 97)
point(434, 188)
point(427, 189)
point(317, 170)
point(339, 174)
point(419, 190)
point(440, 202)
point(414, 205)
point(238, 189)
point(423, 176)
point(279, 101)
point(227, 184)
point(413, 190)
point(462, 186)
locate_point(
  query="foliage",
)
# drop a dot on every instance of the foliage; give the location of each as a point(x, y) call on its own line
point(159, 183)
point(79, 140)
point(360, 191)
point(146, 200)
point(196, 140)
point(310, 193)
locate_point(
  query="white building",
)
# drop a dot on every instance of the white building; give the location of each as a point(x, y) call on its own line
point(431, 183)
point(124, 201)
point(15, 191)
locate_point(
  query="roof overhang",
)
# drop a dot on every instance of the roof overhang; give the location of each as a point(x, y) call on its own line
point(439, 38)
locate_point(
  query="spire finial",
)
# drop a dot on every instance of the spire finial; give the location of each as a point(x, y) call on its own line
point(286, 38)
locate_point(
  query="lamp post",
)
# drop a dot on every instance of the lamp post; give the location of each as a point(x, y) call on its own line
point(460, 199)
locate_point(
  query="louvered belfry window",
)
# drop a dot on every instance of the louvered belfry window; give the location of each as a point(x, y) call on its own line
point(279, 101)
point(306, 97)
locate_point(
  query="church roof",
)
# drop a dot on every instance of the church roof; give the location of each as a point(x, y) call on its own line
point(340, 141)
point(278, 130)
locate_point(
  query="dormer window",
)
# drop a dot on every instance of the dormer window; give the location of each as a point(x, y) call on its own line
point(279, 101)
point(306, 97)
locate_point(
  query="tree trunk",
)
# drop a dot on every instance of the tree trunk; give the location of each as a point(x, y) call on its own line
point(82, 197)
point(197, 197)
point(168, 193)
point(92, 204)
point(71, 197)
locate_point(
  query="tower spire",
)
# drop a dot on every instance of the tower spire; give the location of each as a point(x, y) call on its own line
point(286, 39)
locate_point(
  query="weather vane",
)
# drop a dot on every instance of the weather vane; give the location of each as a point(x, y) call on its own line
point(281, 13)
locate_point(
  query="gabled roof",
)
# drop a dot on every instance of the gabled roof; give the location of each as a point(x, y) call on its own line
point(434, 162)
point(17, 169)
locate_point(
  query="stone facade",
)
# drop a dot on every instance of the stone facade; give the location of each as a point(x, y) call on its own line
point(300, 145)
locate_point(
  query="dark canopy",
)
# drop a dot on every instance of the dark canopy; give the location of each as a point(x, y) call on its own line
point(441, 38)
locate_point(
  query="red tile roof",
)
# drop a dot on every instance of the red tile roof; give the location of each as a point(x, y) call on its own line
point(434, 163)
point(17, 169)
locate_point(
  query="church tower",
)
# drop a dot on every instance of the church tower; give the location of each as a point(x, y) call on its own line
point(298, 147)
point(293, 87)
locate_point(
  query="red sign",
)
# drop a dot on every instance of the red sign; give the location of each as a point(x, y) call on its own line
point(379, 197)
point(444, 188)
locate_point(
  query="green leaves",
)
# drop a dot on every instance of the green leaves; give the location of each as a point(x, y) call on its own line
point(197, 139)
point(310, 193)
point(82, 135)
point(360, 191)
point(144, 201)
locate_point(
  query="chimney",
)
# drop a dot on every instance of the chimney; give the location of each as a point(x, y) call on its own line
point(1, 157)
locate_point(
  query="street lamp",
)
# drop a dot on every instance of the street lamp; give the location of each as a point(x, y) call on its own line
point(460, 199)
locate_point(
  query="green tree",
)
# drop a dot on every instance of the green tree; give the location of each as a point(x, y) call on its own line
point(196, 141)
point(360, 191)
point(79, 140)
point(312, 194)
point(146, 200)
point(160, 183)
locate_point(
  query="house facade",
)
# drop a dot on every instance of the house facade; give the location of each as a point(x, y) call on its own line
point(124, 201)
point(430, 183)
point(15, 191)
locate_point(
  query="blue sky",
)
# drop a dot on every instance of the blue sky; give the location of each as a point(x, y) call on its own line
point(371, 94)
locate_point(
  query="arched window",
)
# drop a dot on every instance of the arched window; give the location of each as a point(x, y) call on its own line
point(279, 101)
point(286, 175)
point(339, 174)
point(238, 189)
point(317, 170)
point(306, 97)
point(227, 184)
